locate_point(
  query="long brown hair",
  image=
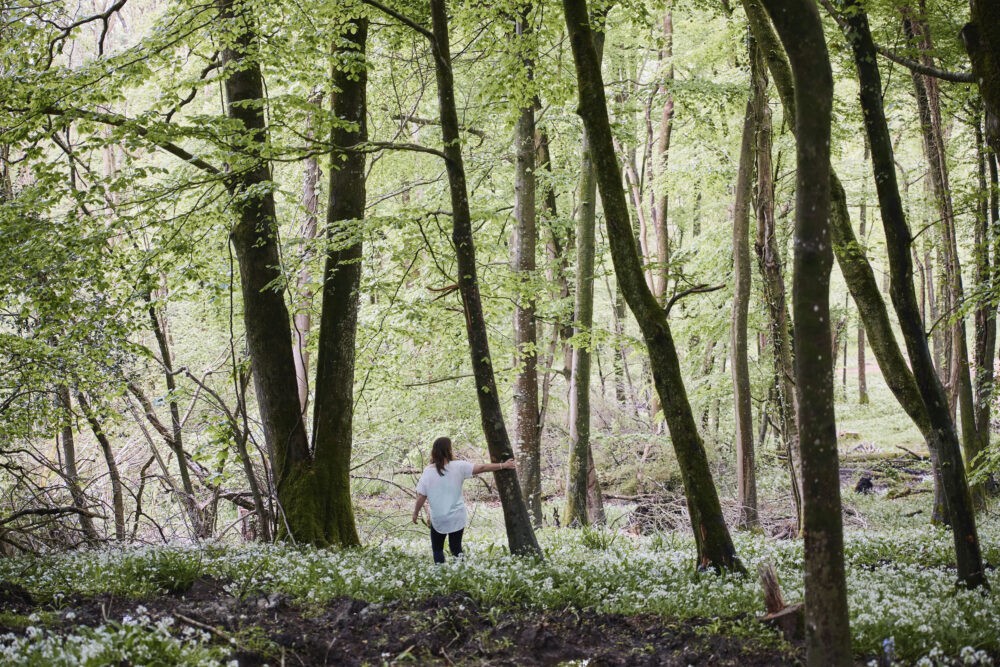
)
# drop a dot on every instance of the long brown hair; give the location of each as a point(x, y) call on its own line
point(441, 454)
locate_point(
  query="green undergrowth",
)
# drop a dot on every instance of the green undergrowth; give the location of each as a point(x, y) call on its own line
point(901, 581)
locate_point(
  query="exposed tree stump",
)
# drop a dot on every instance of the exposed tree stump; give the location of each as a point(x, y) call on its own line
point(789, 619)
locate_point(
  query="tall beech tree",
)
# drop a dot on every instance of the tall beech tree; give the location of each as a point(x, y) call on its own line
point(312, 483)
point(712, 539)
point(898, 242)
point(828, 637)
point(520, 536)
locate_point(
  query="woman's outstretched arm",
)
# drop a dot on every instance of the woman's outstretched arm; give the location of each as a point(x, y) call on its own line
point(492, 467)
point(421, 499)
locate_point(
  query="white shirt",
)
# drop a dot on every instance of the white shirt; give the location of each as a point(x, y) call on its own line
point(444, 493)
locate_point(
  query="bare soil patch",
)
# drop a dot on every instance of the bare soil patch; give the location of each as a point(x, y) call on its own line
point(444, 630)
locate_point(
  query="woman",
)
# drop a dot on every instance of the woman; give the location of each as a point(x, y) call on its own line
point(441, 484)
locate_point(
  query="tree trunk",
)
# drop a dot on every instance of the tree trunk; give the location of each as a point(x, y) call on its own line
point(662, 153)
point(333, 411)
point(770, 264)
point(175, 439)
point(987, 276)
point(520, 536)
point(265, 315)
point(828, 637)
point(117, 499)
point(853, 264)
point(898, 242)
point(862, 233)
point(981, 36)
point(303, 307)
point(746, 479)
point(70, 472)
point(959, 376)
point(579, 403)
point(527, 429)
point(712, 538)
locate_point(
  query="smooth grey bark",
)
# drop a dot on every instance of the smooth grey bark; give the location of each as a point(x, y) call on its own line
point(520, 536)
point(579, 404)
point(713, 541)
point(828, 637)
point(303, 308)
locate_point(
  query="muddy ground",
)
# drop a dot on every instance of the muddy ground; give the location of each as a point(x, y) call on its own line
point(445, 630)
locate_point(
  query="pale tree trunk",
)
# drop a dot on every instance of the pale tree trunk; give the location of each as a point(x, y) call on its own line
point(527, 429)
point(114, 477)
point(746, 478)
point(660, 157)
point(70, 472)
point(773, 286)
point(520, 536)
point(579, 404)
point(828, 637)
point(303, 307)
point(898, 242)
point(712, 539)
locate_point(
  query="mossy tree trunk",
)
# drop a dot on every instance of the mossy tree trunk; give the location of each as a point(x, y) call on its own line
point(898, 243)
point(712, 538)
point(851, 259)
point(333, 414)
point(313, 491)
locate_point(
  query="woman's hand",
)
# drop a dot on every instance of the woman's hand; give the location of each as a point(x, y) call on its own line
point(509, 464)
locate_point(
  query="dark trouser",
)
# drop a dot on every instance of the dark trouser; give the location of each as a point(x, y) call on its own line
point(437, 544)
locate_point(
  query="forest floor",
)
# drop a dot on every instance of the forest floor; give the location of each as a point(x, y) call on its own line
point(442, 630)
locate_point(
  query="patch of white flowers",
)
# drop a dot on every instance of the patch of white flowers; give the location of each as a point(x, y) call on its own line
point(901, 586)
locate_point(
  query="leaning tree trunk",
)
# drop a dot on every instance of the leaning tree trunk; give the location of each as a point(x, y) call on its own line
point(114, 477)
point(520, 536)
point(959, 378)
point(527, 428)
point(898, 243)
point(828, 636)
point(746, 478)
point(853, 264)
point(712, 538)
point(333, 411)
point(70, 472)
